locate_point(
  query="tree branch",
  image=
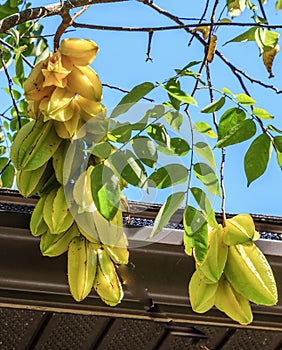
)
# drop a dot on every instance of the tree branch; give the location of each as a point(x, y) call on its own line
point(46, 11)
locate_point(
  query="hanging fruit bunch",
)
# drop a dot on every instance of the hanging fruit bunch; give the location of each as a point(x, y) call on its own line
point(233, 273)
point(63, 93)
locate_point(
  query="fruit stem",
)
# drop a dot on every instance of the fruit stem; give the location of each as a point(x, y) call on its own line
point(67, 21)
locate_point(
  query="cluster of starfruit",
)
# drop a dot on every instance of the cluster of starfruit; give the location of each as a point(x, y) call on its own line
point(234, 272)
point(63, 93)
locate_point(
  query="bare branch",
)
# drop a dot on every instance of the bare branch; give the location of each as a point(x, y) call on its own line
point(148, 53)
point(46, 11)
point(10, 84)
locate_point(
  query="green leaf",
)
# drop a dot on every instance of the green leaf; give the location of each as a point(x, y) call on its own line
point(121, 133)
point(179, 95)
point(205, 151)
point(19, 68)
point(195, 233)
point(159, 134)
point(277, 140)
point(273, 128)
point(278, 5)
point(214, 106)
point(174, 119)
point(279, 158)
point(8, 176)
point(155, 112)
point(3, 162)
point(131, 98)
point(230, 118)
point(3, 150)
point(257, 157)
point(177, 147)
point(236, 7)
point(205, 128)
point(16, 93)
point(266, 39)
point(204, 203)
point(227, 91)
point(249, 35)
point(105, 191)
point(172, 203)
point(262, 113)
point(146, 150)
point(101, 150)
point(129, 167)
point(245, 99)
point(208, 177)
point(169, 175)
point(238, 133)
point(173, 85)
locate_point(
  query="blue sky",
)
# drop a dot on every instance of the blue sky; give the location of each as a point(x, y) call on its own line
point(121, 62)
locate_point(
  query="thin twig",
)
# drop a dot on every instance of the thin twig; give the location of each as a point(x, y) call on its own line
point(148, 53)
point(223, 153)
point(262, 11)
point(10, 85)
point(201, 19)
point(191, 156)
point(125, 91)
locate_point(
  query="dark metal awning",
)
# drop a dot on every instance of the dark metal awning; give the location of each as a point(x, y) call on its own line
point(38, 312)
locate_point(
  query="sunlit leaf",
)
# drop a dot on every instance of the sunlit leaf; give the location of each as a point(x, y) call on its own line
point(158, 133)
point(169, 175)
point(257, 157)
point(131, 98)
point(205, 151)
point(179, 95)
point(244, 99)
point(236, 7)
point(227, 91)
point(205, 128)
point(278, 5)
point(214, 106)
point(129, 167)
point(273, 128)
point(3, 150)
point(266, 39)
point(262, 113)
point(207, 176)
point(105, 190)
point(204, 203)
point(172, 203)
point(120, 133)
point(173, 85)
point(195, 233)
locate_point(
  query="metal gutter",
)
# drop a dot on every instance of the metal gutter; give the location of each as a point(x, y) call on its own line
point(156, 279)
